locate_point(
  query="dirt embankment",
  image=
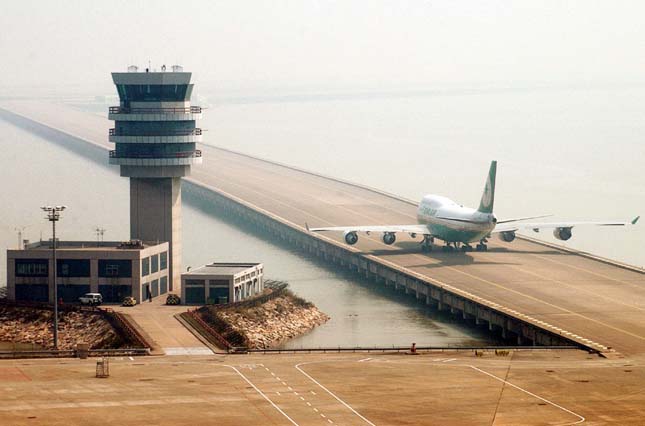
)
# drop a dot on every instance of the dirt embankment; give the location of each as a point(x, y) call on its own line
point(265, 322)
point(35, 326)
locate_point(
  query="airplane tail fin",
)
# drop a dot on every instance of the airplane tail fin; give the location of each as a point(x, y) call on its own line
point(488, 197)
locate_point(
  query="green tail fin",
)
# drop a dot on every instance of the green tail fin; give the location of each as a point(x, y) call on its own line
point(488, 197)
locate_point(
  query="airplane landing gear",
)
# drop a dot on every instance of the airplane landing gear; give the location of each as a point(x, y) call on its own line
point(426, 244)
point(482, 245)
point(448, 248)
point(466, 248)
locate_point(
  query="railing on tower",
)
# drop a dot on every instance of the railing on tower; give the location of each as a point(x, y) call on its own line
point(183, 154)
point(185, 110)
point(189, 132)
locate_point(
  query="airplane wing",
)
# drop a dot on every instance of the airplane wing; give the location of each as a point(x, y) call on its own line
point(536, 226)
point(517, 219)
point(410, 229)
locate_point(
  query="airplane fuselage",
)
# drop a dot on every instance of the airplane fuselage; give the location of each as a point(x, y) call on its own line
point(452, 222)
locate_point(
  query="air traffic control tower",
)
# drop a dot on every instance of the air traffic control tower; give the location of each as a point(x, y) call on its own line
point(155, 135)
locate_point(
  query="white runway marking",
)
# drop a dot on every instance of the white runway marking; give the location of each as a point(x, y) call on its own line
point(264, 396)
point(297, 366)
point(582, 419)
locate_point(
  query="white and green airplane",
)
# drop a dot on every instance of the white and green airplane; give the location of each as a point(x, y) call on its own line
point(458, 226)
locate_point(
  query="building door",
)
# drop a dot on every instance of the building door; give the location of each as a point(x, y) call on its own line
point(195, 292)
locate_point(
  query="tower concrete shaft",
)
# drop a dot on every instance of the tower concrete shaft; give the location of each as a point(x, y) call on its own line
point(156, 135)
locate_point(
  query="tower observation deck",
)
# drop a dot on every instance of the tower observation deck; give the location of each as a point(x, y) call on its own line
point(155, 136)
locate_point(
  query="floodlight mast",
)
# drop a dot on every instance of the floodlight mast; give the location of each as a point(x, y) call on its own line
point(53, 215)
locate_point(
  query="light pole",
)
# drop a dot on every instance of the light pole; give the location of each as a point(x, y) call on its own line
point(53, 215)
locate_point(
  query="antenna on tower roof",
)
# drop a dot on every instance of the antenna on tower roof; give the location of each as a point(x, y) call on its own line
point(99, 235)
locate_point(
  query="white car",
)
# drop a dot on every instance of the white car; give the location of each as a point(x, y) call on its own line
point(91, 299)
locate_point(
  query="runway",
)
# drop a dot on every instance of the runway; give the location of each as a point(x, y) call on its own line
point(588, 300)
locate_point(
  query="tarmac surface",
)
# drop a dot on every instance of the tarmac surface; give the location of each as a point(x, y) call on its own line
point(564, 387)
point(160, 327)
point(591, 301)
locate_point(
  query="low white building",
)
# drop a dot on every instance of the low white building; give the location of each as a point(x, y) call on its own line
point(222, 283)
point(114, 269)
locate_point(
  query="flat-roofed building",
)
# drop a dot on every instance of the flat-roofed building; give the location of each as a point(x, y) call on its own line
point(222, 283)
point(114, 269)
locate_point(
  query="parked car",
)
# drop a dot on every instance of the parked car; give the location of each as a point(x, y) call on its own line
point(173, 299)
point(129, 301)
point(92, 299)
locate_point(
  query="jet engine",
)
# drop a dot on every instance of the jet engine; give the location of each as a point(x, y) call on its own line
point(389, 238)
point(507, 236)
point(562, 234)
point(351, 237)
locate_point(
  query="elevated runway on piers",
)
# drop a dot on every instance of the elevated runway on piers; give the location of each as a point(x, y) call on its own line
point(594, 302)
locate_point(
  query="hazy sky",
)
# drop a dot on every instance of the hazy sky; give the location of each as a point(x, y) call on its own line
point(319, 44)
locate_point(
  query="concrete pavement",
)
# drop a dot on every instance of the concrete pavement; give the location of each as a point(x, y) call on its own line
point(158, 322)
point(440, 388)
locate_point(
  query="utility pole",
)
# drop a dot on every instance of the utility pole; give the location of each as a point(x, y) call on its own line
point(53, 215)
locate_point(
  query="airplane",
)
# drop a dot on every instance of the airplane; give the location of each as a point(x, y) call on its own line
point(458, 226)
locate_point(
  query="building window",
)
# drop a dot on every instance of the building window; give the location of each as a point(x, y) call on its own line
point(163, 260)
point(145, 266)
point(32, 267)
point(154, 263)
point(115, 268)
point(163, 285)
point(73, 267)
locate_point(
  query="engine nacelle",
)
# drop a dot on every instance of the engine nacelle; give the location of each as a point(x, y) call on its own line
point(562, 234)
point(389, 238)
point(507, 236)
point(351, 237)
